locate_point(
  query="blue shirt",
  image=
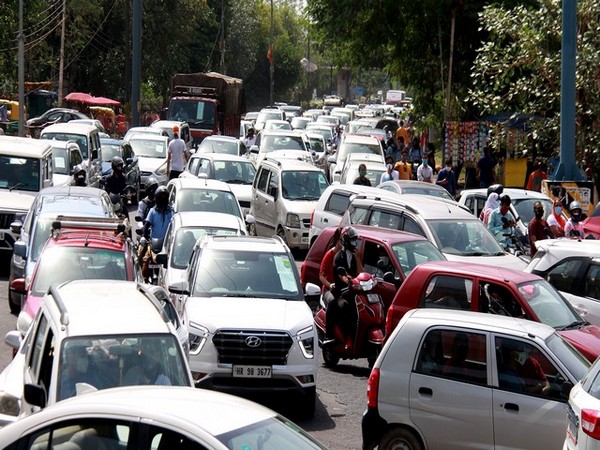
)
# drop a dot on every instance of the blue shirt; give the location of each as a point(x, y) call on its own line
point(447, 174)
point(495, 225)
point(159, 221)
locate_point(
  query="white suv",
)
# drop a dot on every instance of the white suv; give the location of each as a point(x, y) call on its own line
point(250, 326)
point(78, 343)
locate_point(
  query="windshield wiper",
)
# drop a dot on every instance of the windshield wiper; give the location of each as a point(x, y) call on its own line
point(576, 324)
point(475, 254)
point(18, 185)
point(235, 181)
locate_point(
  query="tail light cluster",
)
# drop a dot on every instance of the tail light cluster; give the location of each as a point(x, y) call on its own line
point(373, 388)
point(590, 422)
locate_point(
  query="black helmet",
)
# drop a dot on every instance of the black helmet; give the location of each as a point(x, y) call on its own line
point(79, 174)
point(151, 186)
point(162, 196)
point(117, 161)
point(350, 239)
point(497, 188)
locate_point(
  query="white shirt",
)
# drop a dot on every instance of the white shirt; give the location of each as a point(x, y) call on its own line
point(425, 172)
point(176, 150)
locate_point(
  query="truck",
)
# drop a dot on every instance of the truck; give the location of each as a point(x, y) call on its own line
point(211, 103)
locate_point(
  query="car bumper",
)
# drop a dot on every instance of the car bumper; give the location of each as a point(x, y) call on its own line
point(373, 427)
point(297, 238)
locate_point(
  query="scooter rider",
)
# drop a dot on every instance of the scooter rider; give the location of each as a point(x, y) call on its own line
point(346, 265)
point(115, 183)
point(155, 224)
point(148, 202)
point(79, 175)
point(574, 227)
point(502, 221)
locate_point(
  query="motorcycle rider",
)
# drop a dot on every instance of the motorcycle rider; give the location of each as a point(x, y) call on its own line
point(502, 221)
point(115, 182)
point(148, 201)
point(156, 223)
point(79, 176)
point(346, 265)
point(574, 227)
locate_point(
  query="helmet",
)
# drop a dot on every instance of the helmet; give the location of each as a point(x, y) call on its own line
point(79, 174)
point(117, 161)
point(497, 188)
point(350, 239)
point(162, 196)
point(151, 186)
point(575, 205)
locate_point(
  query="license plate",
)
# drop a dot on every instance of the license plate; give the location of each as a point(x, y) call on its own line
point(153, 266)
point(252, 371)
point(572, 425)
point(373, 298)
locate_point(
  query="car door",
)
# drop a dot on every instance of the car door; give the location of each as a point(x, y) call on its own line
point(449, 395)
point(520, 401)
point(260, 200)
point(332, 212)
point(95, 162)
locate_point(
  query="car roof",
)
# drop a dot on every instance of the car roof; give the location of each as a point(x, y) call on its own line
point(429, 207)
point(290, 164)
point(183, 405)
point(387, 234)
point(144, 136)
point(360, 139)
point(482, 321)
point(294, 133)
point(81, 191)
point(163, 124)
point(204, 218)
point(69, 127)
point(222, 157)
point(94, 312)
point(199, 183)
point(575, 247)
point(513, 193)
point(244, 243)
point(25, 147)
point(220, 138)
point(476, 269)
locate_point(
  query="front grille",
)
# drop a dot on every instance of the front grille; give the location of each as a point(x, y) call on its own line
point(233, 349)
point(306, 223)
point(6, 219)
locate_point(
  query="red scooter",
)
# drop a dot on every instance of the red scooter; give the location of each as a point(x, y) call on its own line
point(368, 337)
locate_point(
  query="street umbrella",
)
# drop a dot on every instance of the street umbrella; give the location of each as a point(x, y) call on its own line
point(78, 97)
point(102, 101)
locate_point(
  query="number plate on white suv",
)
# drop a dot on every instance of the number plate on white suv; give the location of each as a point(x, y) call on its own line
point(252, 371)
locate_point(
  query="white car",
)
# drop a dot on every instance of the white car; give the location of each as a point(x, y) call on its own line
point(251, 329)
point(184, 130)
point(185, 229)
point(270, 141)
point(274, 124)
point(65, 157)
point(374, 170)
point(416, 188)
point(451, 380)
point(583, 413)
point(151, 151)
point(573, 267)
point(353, 144)
point(156, 417)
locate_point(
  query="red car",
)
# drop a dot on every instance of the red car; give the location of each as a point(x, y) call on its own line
point(382, 250)
point(493, 290)
point(80, 248)
point(591, 225)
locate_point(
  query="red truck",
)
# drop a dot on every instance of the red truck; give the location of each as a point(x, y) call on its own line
point(211, 103)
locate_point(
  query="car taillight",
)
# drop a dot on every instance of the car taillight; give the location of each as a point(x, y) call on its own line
point(389, 322)
point(373, 388)
point(590, 422)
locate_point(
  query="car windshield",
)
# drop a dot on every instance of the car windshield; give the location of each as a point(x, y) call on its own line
point(351, 147)
point(109, 151)
point(316, 144)
point(327, 133)
point(79, 139)
point(197, 113)
point(575, 362)
point(186, 238)
point(217, 146)
point(409, 254)
point(149, 148)
point(351, 174)
point(19, 173)
point(233, 273)
point(235, 172)
point(59, 264)
point(303, 185)
point(424, 190)
point(464, 238)
point(108, 361)
point(207, 200)
point(548, 305)
point(271, 143)
point(524, 208)
point(275, 433)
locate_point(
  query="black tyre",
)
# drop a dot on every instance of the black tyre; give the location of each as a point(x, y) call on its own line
point(252, 229)
point(14, 303)
point(281, 234)
point(307, 403)
point(330, 358)
point(399, 439)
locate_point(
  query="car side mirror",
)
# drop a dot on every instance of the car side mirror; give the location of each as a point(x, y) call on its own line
point(179, 288)
point(311, 290)
point(13, 339)
point(35, 394)
point(18, 285)
point(332, 160)
point(16, 226)
point(162, 259)
point(129, 160)
point(254, 149)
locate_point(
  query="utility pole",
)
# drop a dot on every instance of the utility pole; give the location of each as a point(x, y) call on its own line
point(449, 86)
point(271, 68)
point(61, 65)
point(222, 43)
point(136, 63)
point(21, 70)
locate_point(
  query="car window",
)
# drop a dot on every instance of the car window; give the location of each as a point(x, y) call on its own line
point(412, 226)
point(445, 291)
point(548, 305)
point(497, 299)
point(338, 203)
point(410, 254)
point(81, 433)
point(303, 185)
point(592, 281)
point(376, 259)
point(38, 346)
point(385, 219)
point(203, 167)
point(454, 354)
point(464, 237)
point(186, 238)
point(564, 276)
point(359, 215)
point(262, 180)
point(75, 158)
point(161, 438)
point(208, 200)
point(522, 367)
point(193, 165)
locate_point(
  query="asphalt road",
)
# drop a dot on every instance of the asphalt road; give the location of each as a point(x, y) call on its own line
point(341, 392)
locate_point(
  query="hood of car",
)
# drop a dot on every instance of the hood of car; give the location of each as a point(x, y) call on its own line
point(243, 192)
point(248, 313)
point(150, 164)
point(15, 201)
point(507, 260)
point(61, 180)
point(585, 339)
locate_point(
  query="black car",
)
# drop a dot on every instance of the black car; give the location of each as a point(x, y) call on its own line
point(54, 115)
point(109, 148)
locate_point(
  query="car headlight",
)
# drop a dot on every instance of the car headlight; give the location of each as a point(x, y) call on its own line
point(9, 404)
point(162, 170)
point(306, 339)
point(198, 336)
point(292, 221)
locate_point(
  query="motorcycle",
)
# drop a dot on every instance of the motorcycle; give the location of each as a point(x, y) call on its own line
point(147, 252)
point(516, 243)
point(368, 336)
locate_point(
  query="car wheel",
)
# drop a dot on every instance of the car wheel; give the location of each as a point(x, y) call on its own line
point(252, 229)
point(307, 403)
point(399, 439)
point(330, 358)
point(281, 234)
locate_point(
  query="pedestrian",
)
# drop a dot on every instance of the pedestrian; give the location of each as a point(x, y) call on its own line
point(538, 229)
point(402, 132)
point(485, 168)
point(534, 183)
point(492, 202)
point(392, 150)
point(556, 221)
point(431, 156)
point(424, 171)
point(177, 155)
point(250, 138)
point(403, 167)
point(362, 176)
point(3, 116)
point(414, 153)
point(447, 178)
point(389, 174)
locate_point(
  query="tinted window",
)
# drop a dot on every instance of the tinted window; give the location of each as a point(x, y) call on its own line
point(445, 291)
point(263, 178)
point(359, 215)
point(303, 185)
point(409, 254)
point(564, 275)
point(338, 203)
point(79, 139)
point(592, 282)
point(20, 173)
point(376, 259)
point(186, 238)
point(208, 200)
point(150, 148)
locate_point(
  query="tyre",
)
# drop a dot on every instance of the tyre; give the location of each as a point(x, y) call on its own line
point(281, 234)
point(399, 439)
point(307, 403)
point(252, 229)
point(330, 358)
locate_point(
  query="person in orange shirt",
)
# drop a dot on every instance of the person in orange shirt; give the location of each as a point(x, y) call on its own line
point(535, 178)
point(403, 167)
point(401, 131)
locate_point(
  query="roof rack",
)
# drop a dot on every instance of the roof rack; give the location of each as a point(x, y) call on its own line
point(147, 291)
point(195, 90)
point(89, 223)
point(64, 315)
point(377, 198)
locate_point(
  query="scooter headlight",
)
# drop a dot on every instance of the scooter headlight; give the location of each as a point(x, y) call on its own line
point(366, 285)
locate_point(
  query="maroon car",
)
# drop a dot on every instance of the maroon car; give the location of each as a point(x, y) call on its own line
point(382, 250)
point(591, 225)
point(493, 290)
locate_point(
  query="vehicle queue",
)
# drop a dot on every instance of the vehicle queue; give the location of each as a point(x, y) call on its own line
point(218, 286)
